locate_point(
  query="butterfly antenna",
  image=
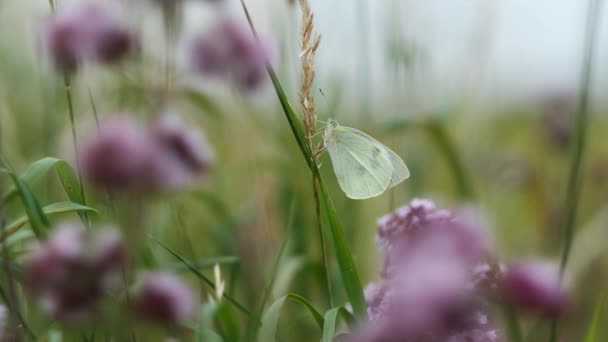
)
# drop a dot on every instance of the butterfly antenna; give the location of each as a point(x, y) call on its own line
point(326, 104)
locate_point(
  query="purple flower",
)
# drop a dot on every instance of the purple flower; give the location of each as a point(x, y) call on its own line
point(429, 288)
point(119, 155)
point(86, 32)
point(128, 156)
point(535, 287)
point(164, 298)
point(412, 227)
point(70, 271)
point(430, 301)
point(230, 51)
point(185, 152)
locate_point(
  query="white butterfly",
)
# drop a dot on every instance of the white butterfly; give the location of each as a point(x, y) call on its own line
point(364, 167)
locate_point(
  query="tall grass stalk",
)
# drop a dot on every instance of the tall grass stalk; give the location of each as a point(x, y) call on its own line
point(578, 142)
point(68, 93)
point(348, 270)
point(580, 133)
point(310, 41)
point(444, 143)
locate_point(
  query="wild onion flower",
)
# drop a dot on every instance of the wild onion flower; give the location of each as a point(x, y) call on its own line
point(125, 155)
point(231, 52)
point(119, 155)
point(70, 272)
point(421, 222)
point(185, 152)
point(535, 286)
point(164, 298)
point(86, 32)
point(428, 291)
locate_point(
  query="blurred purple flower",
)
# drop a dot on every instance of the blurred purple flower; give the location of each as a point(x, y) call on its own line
point(429, 287)
point(70, 271)
point(125, 155)
point(86, 32)
point(119, 155)
point(536, 287)
point(164, 298)
point(430, 301)
point(410, 228)
point(230, 51)
point(185, 152)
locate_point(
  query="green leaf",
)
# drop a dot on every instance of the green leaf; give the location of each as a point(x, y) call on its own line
point(205, 331)
point(253, 324)
point(588, 245)
point(270, 319)
point(38, 220)
point(228, 323)
point(55, 208)
point(592, 332)
point(202, 277)
point(348, 271)
point(331, 318)
point(64, 171)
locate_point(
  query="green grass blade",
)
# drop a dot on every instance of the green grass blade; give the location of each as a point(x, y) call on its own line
point(64, 171)
point(348, 270)
point(270, 319)
point(203, 263)
point(205, 329)
point(329, 324)
point(55, 208)
point(202, 277)
point(228, 323)
point(346, 263)
point(38, 220)
point(252, 325)
point(592, 332)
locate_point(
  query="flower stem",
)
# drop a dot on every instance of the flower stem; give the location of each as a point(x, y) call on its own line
point(513, 327)
point(315, 187)
point(445, 145)
point(68, 94)
point(580, 134)
point(578, 143)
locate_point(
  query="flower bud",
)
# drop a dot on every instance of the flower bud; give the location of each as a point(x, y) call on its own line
point(535, 287)
point(118, 156)
point(70, 271)
point(231, 52)
point(164, 298)
point(86, 32)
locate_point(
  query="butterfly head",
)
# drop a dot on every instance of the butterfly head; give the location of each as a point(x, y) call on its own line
point(329, 129)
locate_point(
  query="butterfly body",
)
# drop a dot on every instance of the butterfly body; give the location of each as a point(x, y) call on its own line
point(364, 167)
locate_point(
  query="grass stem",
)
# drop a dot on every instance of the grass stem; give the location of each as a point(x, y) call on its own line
point(578, 143)
point(68, 93)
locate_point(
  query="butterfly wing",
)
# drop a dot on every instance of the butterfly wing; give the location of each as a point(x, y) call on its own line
point(363, 168)
point(400, 170)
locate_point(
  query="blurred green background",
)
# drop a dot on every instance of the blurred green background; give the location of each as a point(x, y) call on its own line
point(491, 87)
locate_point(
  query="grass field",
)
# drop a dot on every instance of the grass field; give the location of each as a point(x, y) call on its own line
point(166, 179)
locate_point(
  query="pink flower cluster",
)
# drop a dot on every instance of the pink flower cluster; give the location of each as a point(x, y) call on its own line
point(436, 285)
point(230, 51)
point(426, 293)
point(70, 272)
point(86, 32)
point(74, 269)
point(126, 155)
